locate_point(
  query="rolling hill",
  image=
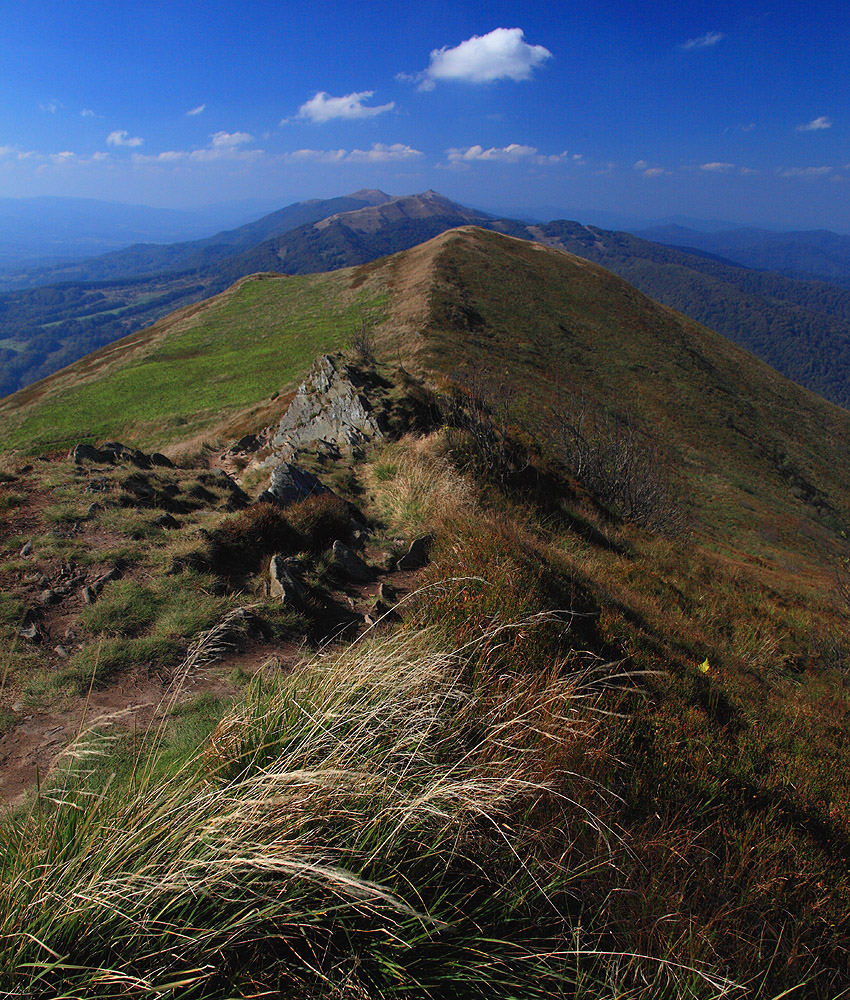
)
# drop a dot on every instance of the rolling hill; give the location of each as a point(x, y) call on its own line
point(599, 746)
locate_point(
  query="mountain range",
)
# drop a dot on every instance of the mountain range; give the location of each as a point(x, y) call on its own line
point(798, 326)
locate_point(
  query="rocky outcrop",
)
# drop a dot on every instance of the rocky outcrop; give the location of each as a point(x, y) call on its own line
point(289, 484)
point(330, 410)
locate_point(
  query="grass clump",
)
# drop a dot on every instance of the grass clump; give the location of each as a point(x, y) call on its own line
point(321, 519)
point(239, 542)
point(358, 827)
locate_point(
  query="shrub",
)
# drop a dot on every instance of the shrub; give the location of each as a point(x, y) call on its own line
point(240, 542)
point(320, 520)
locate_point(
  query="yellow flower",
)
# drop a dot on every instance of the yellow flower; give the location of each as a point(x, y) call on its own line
point(704, 666)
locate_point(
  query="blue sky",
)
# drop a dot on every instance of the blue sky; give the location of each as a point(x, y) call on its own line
point(730, 111)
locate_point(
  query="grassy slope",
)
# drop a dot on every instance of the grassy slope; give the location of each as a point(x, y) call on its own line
point(243, 345)
point(724, 786)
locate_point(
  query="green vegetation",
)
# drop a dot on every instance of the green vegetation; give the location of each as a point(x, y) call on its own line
point(245, 346)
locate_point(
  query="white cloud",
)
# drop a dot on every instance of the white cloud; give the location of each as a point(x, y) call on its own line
point(503, 54)
point(805, 171)
point(87, 113)
point(514, 153)
point(703, 42)
point(816, 125)
point(379, 153)
point(121, 137)
point(229, 139)
point(718, 168)
point(648, 170)
point(323, 107)
point(51, 107)
point(196, 111)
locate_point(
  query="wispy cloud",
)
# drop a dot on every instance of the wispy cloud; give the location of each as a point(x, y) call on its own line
point(324, 108)
point(222, 146)
point(805, 171)
point(87, 113)
point(502, 54)
point(705, 41)
point(121, 137)
point(51, 107)
point(513, 153)
point(196, 111)
point(717, 167)
point(379, 153)
point(815, 125)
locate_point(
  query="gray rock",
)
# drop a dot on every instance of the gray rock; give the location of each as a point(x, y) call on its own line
point(348, 565)
point(417, 555)
point(94, 508)
point(386, 593)
point(328, 407)
point(283, 583)
point(48, 597)
point(289, 484)
point(30, 632)
point(61, 652)
point(88, 453)
point(26, 550)
point(161, 460)
point(166, 521)
point(89, 595)
point(119, 452)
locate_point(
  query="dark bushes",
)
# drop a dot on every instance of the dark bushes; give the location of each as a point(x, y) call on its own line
point(240, 542)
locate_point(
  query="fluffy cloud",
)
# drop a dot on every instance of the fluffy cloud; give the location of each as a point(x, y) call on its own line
point(121, 137)
point(196, 111)
point(379, 153)
point(718, 168)
point(87, 113)
point(703, 42)
point(816, 125)
point(503, 54)
point(229, 140)
point(648, 170)
point(323, 107)
point(514, 153)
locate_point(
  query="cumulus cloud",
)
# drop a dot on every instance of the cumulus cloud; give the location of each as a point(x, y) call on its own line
point(816, 125)
point(703, 42)
point(196, 111)
point(51, 107)
point(514, 153)
point(502, 54)
point(718, 168)
point(648, 170)
point(324, 108)
point(378, 153)
point(121, 137)
point(87, 113)
point(805, 171)
point(229, 139)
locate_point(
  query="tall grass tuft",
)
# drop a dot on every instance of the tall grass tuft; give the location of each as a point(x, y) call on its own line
point(366, 826)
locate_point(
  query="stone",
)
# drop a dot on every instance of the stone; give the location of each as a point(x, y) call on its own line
point(289, 484)
point(88, 453)
point(26, 550)
point(329, 407)
point(61, 652)
point(386, 593)
point(417, 555)
point(89, 595)
point(30, 632)
point(166, 521)
point(94, 508)
point(283, 583)
point(349, 565)
point(48, 597)
point(157, 458)
point(119, 452)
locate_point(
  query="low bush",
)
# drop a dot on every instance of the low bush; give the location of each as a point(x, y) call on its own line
point(239, 543)
point(320, 520)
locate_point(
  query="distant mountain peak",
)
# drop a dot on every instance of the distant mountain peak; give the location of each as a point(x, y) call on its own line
point(372, 195)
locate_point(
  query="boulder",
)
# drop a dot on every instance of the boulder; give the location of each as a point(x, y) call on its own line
point(26, 550)
point(163, 461)
point(329, 409)
point(348, 565)
point(289, 484)
point(283, 584)
point(417, 555)
point(166, 521)
point(88, 453)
